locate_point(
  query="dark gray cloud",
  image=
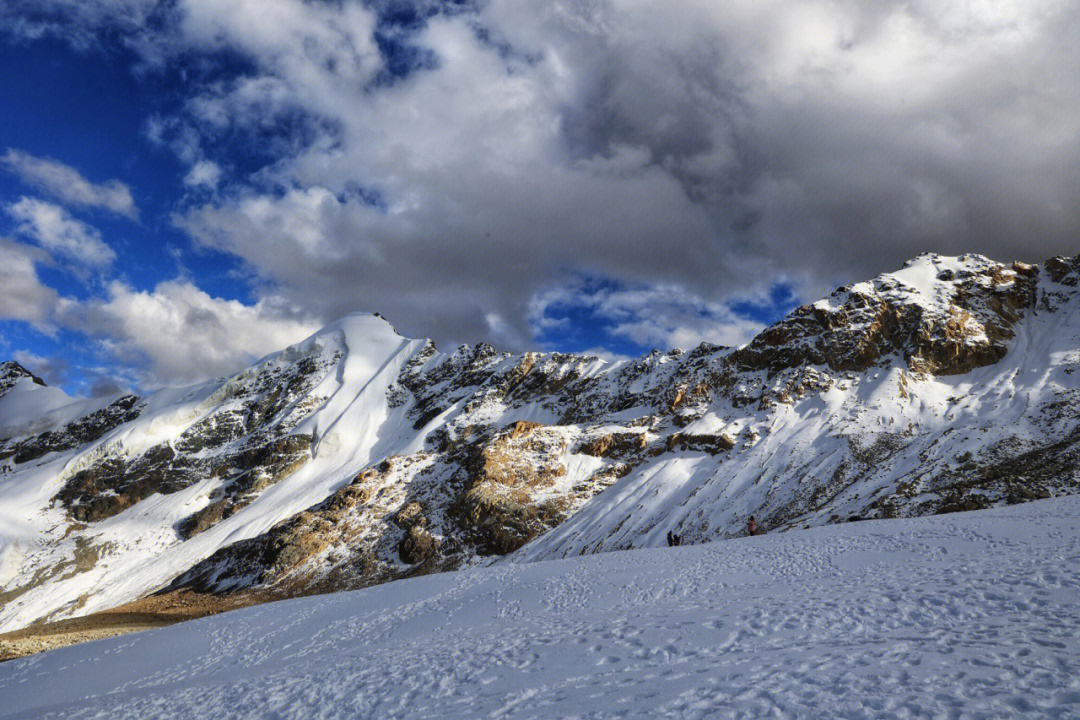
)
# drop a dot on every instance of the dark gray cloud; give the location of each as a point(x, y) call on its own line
point(105, 387)
point(717, 149)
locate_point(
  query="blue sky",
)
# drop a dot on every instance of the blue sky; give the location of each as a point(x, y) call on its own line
point(89, 110)
point(188, 185)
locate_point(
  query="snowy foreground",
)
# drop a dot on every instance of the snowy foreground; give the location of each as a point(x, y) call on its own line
point(968, 615)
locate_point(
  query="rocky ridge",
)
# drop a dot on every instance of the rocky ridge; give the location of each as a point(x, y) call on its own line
point(11, 373)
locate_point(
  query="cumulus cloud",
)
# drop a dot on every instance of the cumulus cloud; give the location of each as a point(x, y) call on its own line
point(68, 184)
point(693, 149)
point(176, 333)
point(707, 147)
point(172, 334)
point(22, 294)
point(203, 173)
point(59, 233)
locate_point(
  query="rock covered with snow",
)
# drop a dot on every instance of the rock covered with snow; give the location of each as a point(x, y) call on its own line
point(11, 373)
point(942, 316)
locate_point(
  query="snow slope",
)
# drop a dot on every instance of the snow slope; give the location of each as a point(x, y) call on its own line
point(137, 551)
point(970, 615)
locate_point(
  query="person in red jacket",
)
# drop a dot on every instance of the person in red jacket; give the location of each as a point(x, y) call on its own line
point(751, 526)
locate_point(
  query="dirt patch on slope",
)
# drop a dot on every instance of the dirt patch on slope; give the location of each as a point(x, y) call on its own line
point(151, 612)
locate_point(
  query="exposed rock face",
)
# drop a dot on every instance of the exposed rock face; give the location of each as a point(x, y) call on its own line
point(860, 325)
point(243, 442)
point(505, 475)
point(248, 473)
point(341, 542)
point(407, 515)
point(712, 444)
point(114, 485)
point(615, 444)
point(951, 384)
point(417, 546)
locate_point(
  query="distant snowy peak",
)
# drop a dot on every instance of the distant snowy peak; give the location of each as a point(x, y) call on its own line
point(11, 373)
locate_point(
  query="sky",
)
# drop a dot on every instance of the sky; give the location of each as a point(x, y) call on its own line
point(188, 185)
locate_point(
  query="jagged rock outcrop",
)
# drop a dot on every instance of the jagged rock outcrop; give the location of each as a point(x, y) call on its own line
point(960, 320)
point(244, 441)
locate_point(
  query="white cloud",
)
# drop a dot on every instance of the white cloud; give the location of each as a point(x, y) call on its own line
point(661, 316)
point(59, 233)
point(203, 174)
point(669, 316)
point(67, 184)
point(177, 333)
point(172, 334)
point(22, 294)
point(705, 147)
point(303, 41)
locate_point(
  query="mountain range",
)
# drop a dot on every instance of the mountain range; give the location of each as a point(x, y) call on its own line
point(359, 456)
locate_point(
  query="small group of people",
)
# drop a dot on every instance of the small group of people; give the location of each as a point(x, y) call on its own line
point(674, 540)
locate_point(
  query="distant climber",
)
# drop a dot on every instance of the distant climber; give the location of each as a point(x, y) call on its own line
point(673, 539)
point(751, 526)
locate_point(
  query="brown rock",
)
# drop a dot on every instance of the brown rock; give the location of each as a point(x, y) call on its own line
point(712, 444)
point(417, 546)
point(410, 516)
point(614, 444)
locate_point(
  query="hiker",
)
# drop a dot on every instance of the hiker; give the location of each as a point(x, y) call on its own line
point(751, 525)
point(672, 539)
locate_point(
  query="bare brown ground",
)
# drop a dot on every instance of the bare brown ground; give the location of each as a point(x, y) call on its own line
point(147, 613)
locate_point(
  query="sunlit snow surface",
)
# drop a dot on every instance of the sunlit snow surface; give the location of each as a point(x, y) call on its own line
point(973, 615)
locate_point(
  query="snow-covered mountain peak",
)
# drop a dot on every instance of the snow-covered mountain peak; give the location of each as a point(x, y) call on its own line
point(12, 373)
point(358, 333)
point(28, 406)
point(354, 330)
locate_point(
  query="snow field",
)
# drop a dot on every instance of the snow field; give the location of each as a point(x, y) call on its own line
point(973, 615)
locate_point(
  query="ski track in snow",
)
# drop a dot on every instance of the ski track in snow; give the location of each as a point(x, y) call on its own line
point(973, 615)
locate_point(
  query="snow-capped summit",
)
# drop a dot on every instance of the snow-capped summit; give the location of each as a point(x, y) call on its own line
point(358, 456)
point(12, 373)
